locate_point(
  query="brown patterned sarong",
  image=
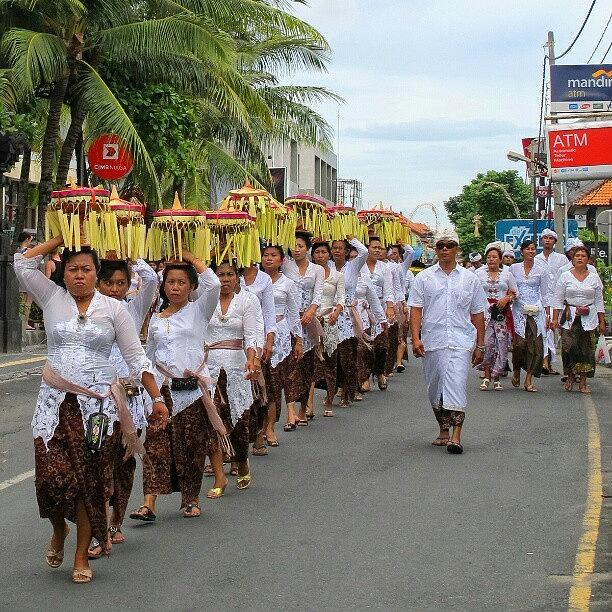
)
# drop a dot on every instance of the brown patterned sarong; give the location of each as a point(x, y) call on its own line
point(448, 418)
point(275, 384)
point(177, 454)
point(326, 374)
point(381, 346)
point(392, 347)
point(578, 349)
point(528, 352)
point(365, 362)
point(123, 478)
point(67, 471)
point(298, 376)
point(348, 361)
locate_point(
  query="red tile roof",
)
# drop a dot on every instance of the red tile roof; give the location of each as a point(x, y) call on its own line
point(600, 196)
point(419, 228)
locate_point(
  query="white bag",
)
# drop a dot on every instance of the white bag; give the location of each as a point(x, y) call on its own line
point(602, 352)
point(531, 310)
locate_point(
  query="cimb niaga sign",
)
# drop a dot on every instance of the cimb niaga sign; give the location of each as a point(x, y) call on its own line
point(581, 89)
point(580, 151)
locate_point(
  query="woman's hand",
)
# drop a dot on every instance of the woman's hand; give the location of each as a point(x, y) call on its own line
point(418, 348)
point(306, 318)
point(298, 350)
point(333, 317)
point(501, 304)
point(554, 324)
point(477, 356)
point(602, 327)
point(267, 351)
point(159, 416)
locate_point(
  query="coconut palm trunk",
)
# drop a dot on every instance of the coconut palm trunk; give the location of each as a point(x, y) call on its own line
point(77, 116)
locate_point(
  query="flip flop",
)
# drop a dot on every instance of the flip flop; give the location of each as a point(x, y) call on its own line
point(189, 508)
point(273, 443)
point(530, 388)
point(302, 423)
point(148, 516)
point(454, 448)
point(259, 451)
point(289, 427)
point(440, 441)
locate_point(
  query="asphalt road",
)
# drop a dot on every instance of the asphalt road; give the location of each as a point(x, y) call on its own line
point(354, 512)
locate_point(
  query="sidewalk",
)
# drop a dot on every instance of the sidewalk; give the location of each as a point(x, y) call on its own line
point(18, 365)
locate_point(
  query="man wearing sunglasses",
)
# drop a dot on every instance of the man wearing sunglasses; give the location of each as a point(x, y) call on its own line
point(447, 327)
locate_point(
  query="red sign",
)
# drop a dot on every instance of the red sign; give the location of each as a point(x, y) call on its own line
point(109, 158)
point(582, 151)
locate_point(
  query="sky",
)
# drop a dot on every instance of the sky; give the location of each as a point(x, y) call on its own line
point(438, 91)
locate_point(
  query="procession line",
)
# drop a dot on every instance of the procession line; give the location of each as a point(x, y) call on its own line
point(16, 480)
point(584, 565)
point(8, 364)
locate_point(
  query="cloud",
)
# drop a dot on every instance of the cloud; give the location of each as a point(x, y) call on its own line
point(434, 130)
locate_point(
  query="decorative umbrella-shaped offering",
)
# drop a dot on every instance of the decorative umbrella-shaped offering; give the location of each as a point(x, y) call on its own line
point(311, 214)
point(234, 236)
point(343, 222)
point(275, 222)
point(132, 231)
point(176, 228)
point(383, 223)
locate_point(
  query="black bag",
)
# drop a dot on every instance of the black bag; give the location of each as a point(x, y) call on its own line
point(96, 431)
point(184, 384)
point(498, 314)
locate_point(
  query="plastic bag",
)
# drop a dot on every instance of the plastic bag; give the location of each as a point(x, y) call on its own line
point(602, 353)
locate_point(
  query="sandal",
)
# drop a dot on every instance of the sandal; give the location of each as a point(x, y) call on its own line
point(54, 557)
point(273, 443)
point(344, 403)
point(289, 427)
point(497, 386)
point(382, 383)
point(454, 448)
point(82, 576)
point(216, 492)
point(358, 397)
point(439, 441)
point(188, 512)
point(569, 385)
point(302, 423)
point(95, 549)
point(484, 385)
point(586, 389)
point(148, 516)
point(243, 482)
point(400, 368)
point(116, 535)
point(328, 413)
point(234, 472)
point(516, 380)
point(530, 388)
point(260, 451)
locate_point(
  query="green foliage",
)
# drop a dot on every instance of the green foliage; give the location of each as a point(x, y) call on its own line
point(605, 273)
point(587, 235)
point(492, 196)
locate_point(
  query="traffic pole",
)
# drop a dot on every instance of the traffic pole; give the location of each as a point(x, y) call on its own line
point(558, 206)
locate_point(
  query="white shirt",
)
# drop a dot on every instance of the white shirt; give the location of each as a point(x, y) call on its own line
point(333, 293)
point(554, 262)
point(447, 301)
point(262, 288)
point(496, 289)
point(287, 318)
point(177, 342)
point(532, 290)
point(408, 282)
point(382, 281)
point(352, 268)
point(589, 292)
point(79, 346)
point(568, 266)
point(310, 285)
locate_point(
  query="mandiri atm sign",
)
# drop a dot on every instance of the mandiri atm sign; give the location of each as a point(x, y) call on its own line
point(580, 151)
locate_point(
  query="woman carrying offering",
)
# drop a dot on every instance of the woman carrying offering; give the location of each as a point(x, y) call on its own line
point(288, 349)
point(114, 282)
point(175, 345)
point(309, 279)
point(579, 311)
point(500, 288)
point(350, 326)
point(332, 305)
point(231, 355)
point(78, 394)
point(531, 318)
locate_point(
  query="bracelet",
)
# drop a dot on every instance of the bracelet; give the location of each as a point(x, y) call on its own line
point(159, 400)
point(480, 348)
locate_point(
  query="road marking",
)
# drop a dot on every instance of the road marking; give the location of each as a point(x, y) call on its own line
point(13, 481)
point(8, 364)
point(584, 565)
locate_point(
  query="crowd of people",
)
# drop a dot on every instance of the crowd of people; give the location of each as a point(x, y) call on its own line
point(230, 353)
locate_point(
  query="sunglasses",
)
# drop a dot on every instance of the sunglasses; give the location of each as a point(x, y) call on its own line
point(446, 245)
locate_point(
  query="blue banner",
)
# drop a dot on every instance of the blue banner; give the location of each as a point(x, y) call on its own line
point(516, 231)
point(580, 89)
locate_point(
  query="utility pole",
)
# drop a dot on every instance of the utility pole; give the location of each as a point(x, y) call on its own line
point(558, 211)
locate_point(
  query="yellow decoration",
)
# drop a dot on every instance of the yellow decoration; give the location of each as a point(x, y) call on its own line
point(234, 236)
point(311, 215)
point(389, 226)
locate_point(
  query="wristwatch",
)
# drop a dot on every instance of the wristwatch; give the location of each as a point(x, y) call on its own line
point(160, 399)
point(480, 348)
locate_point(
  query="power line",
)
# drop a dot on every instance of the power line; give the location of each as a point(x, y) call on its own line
point(579, 32)
point(606, 53)
point(600, 39)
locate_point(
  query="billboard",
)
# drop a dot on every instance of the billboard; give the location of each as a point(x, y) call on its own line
point(516, 231)
point(580, 89)
point(580, 151)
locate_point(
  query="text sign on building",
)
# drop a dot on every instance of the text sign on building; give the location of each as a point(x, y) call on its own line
point(109, 158)
point(580, 89)
point(580, 151)
point(516, 231)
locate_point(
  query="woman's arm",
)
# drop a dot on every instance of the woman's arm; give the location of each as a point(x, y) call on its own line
point(339, 300)
point(209, 286)
point(139, 306)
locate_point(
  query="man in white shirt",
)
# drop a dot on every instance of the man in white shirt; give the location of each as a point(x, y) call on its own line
point(447, 327)
point(475, 260)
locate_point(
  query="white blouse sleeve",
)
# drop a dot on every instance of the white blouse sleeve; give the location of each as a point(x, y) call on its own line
point(209, 289)
point(408, 258)
point(374, 302)
point(251, 316)
point(267, 306)
point(558, 301)
point(354, 265)
point(598, 303)
point(139, 306)
point(30, 277)
point(319, 276)
point(544, 288)
point(512, 286)
point(388, 289)
point(129, 344)
point(293, 310)
point(340, 297)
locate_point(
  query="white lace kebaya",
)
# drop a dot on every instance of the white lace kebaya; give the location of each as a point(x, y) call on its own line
point(137, 307)
point(176, 342)
point(79, 346)
point(287, 318)
point(238, 323)
point(261, 287)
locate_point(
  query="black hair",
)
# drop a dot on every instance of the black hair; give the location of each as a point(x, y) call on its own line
point(352, 248)
point(581, 248)
point(316, 245)
point(230, 262)
point(109, 266)
point(526, 244)
point(274, 246)
point(494, 248)
point(68, 254)
point(305, 236)
point(399, 247)
point(23, 236)
point(374, 238)
point(192, 276)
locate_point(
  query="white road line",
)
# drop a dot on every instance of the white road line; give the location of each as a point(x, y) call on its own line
point(16, 480)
